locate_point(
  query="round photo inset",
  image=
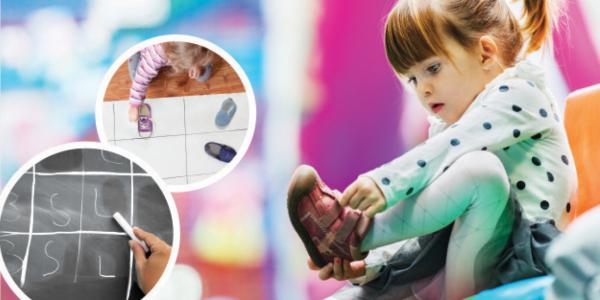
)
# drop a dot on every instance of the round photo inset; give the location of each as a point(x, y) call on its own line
point(65, 226)
point(183, 105)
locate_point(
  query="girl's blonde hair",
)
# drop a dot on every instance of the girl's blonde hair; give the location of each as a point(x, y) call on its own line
point(415, 29)
point(182, 56)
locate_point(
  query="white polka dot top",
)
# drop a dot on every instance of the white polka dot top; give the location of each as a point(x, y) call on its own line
point(516, 118)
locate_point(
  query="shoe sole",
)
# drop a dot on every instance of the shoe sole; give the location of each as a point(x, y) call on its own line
point(303, 181)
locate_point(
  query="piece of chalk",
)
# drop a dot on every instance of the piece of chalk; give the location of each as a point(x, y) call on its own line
point(123, 223)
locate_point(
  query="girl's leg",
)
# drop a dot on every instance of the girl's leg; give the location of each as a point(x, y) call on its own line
point(474, 194)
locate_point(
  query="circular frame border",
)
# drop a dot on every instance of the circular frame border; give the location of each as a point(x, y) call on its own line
point(179, 188)
point(15, 288)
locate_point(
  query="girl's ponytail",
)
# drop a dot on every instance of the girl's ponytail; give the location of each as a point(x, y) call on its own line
point(537, 27)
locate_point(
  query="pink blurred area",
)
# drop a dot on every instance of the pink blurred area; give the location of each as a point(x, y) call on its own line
point(574, 49)
point(355, 126)
point(214, 222)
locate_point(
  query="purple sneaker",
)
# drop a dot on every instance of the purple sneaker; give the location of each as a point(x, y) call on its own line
point(144, 120)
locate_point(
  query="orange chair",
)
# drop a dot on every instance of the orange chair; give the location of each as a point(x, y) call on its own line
point(582, 123)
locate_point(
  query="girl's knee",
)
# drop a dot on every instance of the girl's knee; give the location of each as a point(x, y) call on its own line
point(486, 171)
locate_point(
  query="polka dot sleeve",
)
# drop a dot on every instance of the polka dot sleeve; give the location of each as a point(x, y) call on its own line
point(507, 113)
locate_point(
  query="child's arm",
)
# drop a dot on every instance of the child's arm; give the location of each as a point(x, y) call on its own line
point(151, 60)
point(149, 269)
point(512, 112)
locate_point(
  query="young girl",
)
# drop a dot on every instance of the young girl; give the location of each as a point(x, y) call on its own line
point(487, 188)
point(180, 56)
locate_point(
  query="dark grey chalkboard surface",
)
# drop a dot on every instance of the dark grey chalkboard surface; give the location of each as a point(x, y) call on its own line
point(57, 235)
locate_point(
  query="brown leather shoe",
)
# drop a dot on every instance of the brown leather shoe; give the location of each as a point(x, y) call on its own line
point(327, 229)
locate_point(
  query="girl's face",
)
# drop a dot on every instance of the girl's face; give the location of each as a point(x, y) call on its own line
point(447, 88)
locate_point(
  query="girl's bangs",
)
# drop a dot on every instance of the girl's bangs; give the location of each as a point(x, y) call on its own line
point(412, 35)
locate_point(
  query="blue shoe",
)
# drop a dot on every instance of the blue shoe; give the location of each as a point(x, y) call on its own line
point(219, 151)
point(224, 116)
point(206, 74)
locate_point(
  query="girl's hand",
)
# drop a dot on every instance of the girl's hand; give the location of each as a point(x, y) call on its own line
point(133, 113)
point(194, 72)
point(151, 268)
point(364, 194)
point(340, 269)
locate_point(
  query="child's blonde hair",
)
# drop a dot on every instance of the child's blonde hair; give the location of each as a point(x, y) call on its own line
point(415, 29)
point(183, 56)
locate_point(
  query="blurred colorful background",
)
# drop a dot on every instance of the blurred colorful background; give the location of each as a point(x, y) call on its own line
point(325, 97)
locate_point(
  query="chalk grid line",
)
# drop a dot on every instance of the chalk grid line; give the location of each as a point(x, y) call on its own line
point(79, 232)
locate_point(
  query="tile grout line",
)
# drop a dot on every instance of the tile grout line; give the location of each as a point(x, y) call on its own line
point(193, 174)
point(189, 96)
point(185, 135)
point(187, 181)
point(175, 135)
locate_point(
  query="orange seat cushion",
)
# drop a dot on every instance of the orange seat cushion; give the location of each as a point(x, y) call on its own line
point(582, 122)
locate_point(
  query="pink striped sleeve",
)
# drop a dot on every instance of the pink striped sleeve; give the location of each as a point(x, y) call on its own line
point(152, 58)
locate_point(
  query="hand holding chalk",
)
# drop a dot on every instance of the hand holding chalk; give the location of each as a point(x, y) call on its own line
point(149, 268)
point(127, 228)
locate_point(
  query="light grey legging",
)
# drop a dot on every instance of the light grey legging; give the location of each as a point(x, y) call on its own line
point(473, 193)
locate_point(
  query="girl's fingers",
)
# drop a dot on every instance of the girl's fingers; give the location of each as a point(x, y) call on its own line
point(325, 272)
point(356, 200)
point(347, 269)
point(348, 194)
point(358, 267)
point(152, 241)
point(338, 271)
point(373, 210)
point(138, 253)
point(365, 204)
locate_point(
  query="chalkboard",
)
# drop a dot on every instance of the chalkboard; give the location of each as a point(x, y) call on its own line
point(57, 235)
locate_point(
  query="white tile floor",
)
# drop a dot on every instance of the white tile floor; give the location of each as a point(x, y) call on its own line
point(182, 126)
point(109, 122)
point(202, 164)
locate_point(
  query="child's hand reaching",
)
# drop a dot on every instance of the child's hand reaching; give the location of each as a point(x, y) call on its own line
point(149, 269)
point(133, 113)
point(340, 269)
point(194, 72)
point(364, 194)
